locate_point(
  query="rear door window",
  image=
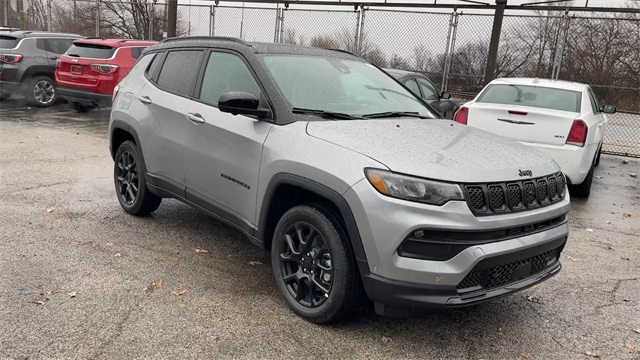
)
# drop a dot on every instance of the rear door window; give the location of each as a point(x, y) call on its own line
point(8, 42)
point(532, 96)
point(91, 51)
point(180, 71)
point(58, 46)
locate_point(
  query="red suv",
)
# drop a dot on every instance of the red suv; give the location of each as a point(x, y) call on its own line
point(89, 71)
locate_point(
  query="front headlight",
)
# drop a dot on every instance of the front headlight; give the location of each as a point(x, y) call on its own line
point(412, 188)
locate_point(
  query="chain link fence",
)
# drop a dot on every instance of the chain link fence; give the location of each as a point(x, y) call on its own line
point(450, 47)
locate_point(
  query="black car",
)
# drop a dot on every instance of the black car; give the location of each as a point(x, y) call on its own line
point(423, 87)
point(28, 63)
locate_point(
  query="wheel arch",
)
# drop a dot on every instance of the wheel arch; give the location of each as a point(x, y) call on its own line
point(120, 132)
point(39, 70)
point(287, 190)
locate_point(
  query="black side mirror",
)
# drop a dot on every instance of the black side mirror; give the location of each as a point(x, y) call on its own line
point(243, 103)
point(609, 109)
point(445, 95)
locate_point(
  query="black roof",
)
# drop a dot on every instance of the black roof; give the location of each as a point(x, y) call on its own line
point(255, 47)
point(30, 34)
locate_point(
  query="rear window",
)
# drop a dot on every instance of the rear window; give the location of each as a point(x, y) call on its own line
point(533, 96)
point(8, 42)
point(93, 51)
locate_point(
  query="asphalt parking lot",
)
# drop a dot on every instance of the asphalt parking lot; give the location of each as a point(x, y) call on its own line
point(81, 279)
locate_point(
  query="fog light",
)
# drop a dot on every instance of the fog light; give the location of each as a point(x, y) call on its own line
point(418, 233)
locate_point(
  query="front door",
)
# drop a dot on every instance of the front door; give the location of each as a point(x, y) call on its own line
point(223, 151)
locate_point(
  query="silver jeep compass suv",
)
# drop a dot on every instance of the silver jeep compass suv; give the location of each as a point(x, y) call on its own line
point(343, 174)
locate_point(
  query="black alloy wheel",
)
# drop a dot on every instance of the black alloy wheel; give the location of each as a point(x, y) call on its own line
point(305, 262)
point(128, 181)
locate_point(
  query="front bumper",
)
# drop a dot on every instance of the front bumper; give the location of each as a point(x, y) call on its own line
point(397, 298)
point(387, 224)
point(84, 97)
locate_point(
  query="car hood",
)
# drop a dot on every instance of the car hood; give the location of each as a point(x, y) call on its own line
point(435, 149)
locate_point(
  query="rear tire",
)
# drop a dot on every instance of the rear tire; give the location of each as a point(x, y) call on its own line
point(41, 91)
point(131, 187)
point(313, 265)
point(598, 156)
point(584, 190)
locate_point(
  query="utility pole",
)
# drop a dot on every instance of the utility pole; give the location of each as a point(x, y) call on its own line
point(49, 15)
point(242, 20)
point(492, 59)
point(172, 18)
point(6, 13)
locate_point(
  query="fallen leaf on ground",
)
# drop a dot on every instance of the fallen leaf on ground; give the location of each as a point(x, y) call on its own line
point(254, 263)
point(50, 210)
point(610, 247)
point(534, 299)
point(626, 299)
point(633, 175)
point(630, 346)
point(117, 255)
point(592, 354)
point(201, 251)
point(626, 215)
point(637, 330)
point(572, 258)
point(72, 294)
point(590, 230)
point(179, 293)
point(216, 338)
point(385, 339)
point(157, 285)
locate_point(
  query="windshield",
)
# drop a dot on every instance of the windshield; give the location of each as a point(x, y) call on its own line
point(342, 86)
point(92, 51)
point(8, 42)
point(533, 96)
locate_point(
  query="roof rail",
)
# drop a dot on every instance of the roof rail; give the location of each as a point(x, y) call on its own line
point(344, 51)
point(218, 38)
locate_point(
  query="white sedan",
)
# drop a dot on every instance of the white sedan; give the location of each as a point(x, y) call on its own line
point(560, 118)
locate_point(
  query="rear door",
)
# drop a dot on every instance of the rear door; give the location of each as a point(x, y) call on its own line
point(76, 65)
point(526, 113)
point(160, 110)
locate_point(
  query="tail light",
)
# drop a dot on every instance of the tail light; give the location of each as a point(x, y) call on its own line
point(462, 115)
point(578, 133)
point(105, 68)
point(10, 58)
point(115, 93)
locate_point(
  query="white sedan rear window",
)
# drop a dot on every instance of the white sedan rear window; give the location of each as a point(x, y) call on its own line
point(534, 96)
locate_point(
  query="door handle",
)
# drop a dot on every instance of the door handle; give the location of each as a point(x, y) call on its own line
point(145, 100)
point(195, 118)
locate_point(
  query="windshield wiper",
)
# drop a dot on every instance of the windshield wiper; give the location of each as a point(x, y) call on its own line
point(389, 114)
point(325, 114)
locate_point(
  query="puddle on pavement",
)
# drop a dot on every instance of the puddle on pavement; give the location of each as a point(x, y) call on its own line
point(60, 116)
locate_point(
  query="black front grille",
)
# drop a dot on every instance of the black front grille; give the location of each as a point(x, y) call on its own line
point(487, 199)
point(507, 273)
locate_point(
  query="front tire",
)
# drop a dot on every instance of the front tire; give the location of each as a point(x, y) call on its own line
point(81, 108)
point(131, 188)
point(313, 265)
point(41, 91)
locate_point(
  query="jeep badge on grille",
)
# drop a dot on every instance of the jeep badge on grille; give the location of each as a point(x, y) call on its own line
point(525, 173)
